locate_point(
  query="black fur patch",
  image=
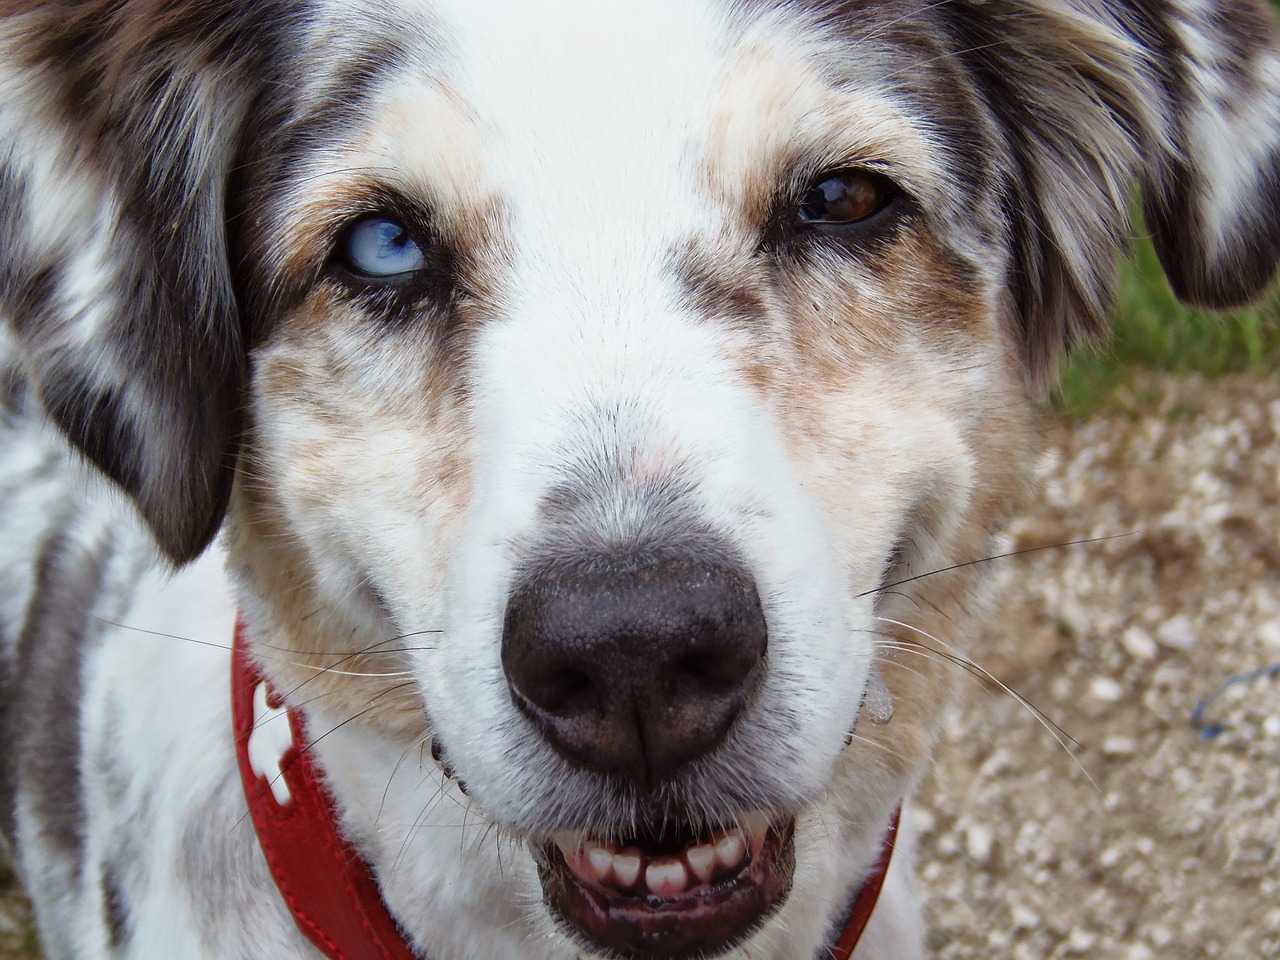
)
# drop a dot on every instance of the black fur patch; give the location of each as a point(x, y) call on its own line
point(115, 908)
point(41, 709)
point(13, 395)
point(95, 414)
point(1246, 264)
point(27, 286)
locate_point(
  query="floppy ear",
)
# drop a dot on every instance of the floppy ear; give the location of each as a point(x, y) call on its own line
point(119, 126)
point(1090, 96)
point(1211, 191)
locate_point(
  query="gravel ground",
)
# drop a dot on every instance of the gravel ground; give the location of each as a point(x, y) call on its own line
point(1145, 839)
point(1153, 840)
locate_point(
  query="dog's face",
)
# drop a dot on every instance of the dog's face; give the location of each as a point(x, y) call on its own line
point(637, 370)
point(703, 348)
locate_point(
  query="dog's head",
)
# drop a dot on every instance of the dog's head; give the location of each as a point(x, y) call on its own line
point(648, 361)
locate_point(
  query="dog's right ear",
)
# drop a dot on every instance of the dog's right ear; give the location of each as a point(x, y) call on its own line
point(119, 127)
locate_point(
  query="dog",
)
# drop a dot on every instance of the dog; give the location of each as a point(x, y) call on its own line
point(570, 429)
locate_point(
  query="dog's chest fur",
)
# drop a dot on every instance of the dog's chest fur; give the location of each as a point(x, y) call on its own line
point(591, 407)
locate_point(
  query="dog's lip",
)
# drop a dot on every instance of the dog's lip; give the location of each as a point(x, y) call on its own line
point(690, 894)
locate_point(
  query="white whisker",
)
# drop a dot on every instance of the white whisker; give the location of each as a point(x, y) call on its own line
point(1050, 727)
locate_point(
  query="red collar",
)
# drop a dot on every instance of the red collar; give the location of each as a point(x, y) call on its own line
point(327, 885)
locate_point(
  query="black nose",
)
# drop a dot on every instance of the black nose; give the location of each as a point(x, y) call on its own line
point(634, 671)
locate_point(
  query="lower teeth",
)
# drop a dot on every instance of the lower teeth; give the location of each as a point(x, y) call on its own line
point(662, 875)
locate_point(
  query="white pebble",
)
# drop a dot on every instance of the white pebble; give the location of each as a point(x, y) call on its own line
point(1074, 618)
point(924, 820)
point(1120, 747)
point(978, 841)
point(1024, 918)
point(1270, 633)
point(1177, 633)
point(1106, 690)
point(1081, 941)
point(1139, 644)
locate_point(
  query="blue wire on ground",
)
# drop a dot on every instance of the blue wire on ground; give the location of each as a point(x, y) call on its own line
point(1209, 730)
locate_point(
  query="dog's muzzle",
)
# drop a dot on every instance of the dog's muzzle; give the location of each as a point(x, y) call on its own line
point(635, 670)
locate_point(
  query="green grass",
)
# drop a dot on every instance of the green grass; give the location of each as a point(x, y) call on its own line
point(1153, 331)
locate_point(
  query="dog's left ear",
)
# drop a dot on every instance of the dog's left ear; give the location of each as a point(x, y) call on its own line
point(1211, 181)
point(1089, 97)
point(119, 130)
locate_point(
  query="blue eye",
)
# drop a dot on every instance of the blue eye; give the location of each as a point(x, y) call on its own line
point(378, 247)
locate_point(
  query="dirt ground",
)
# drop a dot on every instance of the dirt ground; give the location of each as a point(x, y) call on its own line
point(1154, 840)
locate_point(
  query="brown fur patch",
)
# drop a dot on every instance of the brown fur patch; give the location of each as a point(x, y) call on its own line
point(717, 288)
point(300, 493)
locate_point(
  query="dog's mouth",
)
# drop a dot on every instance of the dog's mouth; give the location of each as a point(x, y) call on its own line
point(682, 893)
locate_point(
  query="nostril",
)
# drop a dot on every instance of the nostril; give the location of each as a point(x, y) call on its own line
point(562, 692)
point(710, 672)
point(698, 666)
point(573, 685)
point(722, 663)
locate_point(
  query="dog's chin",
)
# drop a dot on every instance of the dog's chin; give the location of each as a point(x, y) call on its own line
point(677, 893)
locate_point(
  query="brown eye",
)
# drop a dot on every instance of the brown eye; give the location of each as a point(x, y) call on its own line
point(843, 198)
